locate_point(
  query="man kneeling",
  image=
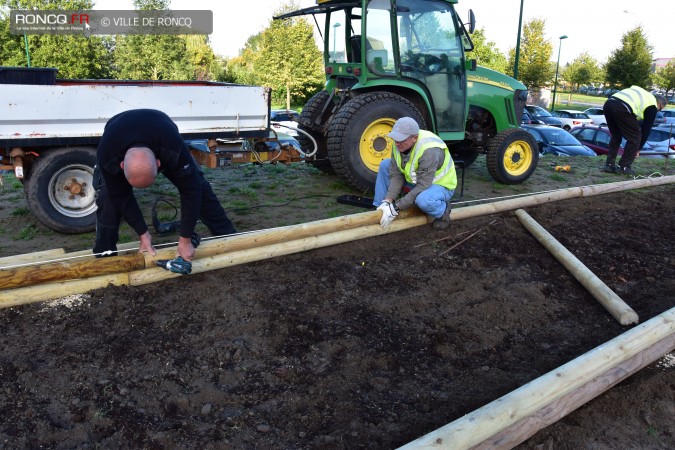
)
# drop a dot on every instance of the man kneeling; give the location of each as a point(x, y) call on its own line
point(421, 170)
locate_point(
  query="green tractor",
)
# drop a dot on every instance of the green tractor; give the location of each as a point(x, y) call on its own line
point(386, 59)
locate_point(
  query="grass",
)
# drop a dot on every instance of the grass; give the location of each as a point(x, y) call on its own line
point(21, 211)
point(28, 233)
point(580, 102)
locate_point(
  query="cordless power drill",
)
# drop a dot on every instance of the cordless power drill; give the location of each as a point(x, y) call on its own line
point(178, 264)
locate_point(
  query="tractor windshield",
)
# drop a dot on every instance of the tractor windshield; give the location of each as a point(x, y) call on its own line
point(430, 49)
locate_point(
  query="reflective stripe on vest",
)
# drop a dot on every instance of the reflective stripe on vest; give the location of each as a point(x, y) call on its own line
point(637, 98)
point(446, 176)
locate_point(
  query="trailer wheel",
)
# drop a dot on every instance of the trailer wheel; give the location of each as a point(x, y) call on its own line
point(357, 135)
point(512, 156)
point(60, 192)
point(310, 113)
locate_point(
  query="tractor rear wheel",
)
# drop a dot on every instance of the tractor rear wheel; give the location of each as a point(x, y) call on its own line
point(357, 135)
point(512, 156)
point(312, 111)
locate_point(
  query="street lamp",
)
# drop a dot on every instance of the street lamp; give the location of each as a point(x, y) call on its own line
point(557, 66)
point(335, 27)
point(520, 26)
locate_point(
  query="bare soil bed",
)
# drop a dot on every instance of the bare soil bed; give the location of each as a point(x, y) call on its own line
point(368, 344)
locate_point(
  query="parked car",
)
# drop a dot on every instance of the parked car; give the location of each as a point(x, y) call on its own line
point(597, 115)
point(540, 114)
point(571, 118)
point(282, 118)
point(668, 115)
point(660, 118)
point(595, 137)
point(554, 141)
point(660, 142)
point(529, 120)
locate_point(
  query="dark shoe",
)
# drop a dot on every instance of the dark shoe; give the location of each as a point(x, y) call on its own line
point(609, 168)
point(625, 170)
point(443, 222)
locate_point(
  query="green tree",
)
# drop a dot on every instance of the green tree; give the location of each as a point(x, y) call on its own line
point(201, 57)
point(240, 68)
point(74, 56)
point(153, 57)
point(631, 63)
point(665, 78)
point(162, 56)
point(583, 70)
point(486, 52)
point(534, 64)
point(287, 59)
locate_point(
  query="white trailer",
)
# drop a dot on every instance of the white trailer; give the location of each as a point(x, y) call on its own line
point(49, 131)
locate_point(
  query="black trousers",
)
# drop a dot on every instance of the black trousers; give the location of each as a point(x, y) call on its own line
point(109, 217)
point(622, 124)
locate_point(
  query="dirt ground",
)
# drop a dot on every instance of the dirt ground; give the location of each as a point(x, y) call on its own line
point(369, 344)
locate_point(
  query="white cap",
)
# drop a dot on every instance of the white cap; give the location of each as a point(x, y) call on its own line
point(404, 128)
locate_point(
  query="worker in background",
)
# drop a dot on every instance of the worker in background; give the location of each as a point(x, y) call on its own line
point(421, 169)
point(624, 110)
point(134, 147)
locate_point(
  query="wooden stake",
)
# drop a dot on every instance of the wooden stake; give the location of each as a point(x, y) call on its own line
point(602, 293)
point(556, 410)
point(484, 423)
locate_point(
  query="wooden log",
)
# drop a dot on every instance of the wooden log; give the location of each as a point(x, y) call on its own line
point(69, 269)
point(267, 237)
point(29, 294)
point(598, 289)
point(30, 257)
point(280, 234)
point(47, 291)
point(480, 425)
point(524, 429)
point(279, 249)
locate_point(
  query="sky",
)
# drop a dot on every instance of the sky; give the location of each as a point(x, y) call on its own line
point(593, 26)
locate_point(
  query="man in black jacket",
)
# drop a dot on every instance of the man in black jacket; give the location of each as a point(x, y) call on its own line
point(134, 147)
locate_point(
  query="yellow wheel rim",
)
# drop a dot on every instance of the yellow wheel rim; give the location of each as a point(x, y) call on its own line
point(518, 158)
point(374, 145)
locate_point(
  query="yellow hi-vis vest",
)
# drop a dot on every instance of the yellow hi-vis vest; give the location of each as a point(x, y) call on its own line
point(637, 98)
point(446, 176)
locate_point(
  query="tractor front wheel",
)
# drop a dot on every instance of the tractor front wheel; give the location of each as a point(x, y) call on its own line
point(512, 156)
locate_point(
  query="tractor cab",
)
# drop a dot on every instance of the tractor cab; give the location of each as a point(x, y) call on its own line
point(387, 59)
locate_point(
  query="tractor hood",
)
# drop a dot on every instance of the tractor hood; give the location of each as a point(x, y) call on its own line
point(493, 78)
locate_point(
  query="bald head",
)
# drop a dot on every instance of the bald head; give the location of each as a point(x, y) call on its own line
point(140, 167)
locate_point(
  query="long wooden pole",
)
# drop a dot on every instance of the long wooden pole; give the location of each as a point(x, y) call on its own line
point(478, 426)
point(598, 289)
point(281, 234)
point(31, 257)
point(284, 234)
point(525, 428)
point(30, 294)
point(56, 271)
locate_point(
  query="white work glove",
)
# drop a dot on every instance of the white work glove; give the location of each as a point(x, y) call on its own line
point(389, 213)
